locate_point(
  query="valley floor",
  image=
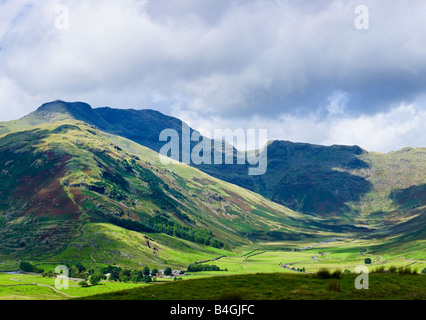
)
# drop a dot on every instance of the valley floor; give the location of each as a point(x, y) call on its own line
point(261, 271)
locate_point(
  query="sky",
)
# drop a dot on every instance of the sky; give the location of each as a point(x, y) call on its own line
point(324, 72)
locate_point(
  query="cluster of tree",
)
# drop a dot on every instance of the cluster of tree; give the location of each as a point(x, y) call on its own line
point(114, 185)
point(298, 269)
point(156, 185)
point(195, 267)
point(197, 235)
point(94, 280)
point(129, 224)
point(109, 189)
point(28, 267)
point(77, 270)
point(162, 224)
point(127, 275)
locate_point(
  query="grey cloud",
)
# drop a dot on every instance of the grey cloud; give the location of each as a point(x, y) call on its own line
point(238, 59)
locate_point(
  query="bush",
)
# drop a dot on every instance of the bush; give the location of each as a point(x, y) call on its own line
point(407, 271)
point(28, 267)
point(336, 274)
point(392, 269)
point(334, 285)
point(424, 271)
point(83, 284)
point(380, 269)
point(324, 273)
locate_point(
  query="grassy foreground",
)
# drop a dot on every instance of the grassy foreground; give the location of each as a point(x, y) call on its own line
point(278, 286)
point(36, 287)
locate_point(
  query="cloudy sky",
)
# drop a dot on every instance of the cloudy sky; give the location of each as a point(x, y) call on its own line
point(308, 71)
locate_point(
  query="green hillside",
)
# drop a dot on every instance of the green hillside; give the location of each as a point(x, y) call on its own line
point(331, 182)
point(81, 184)
point(264, 287)
point(64, 183)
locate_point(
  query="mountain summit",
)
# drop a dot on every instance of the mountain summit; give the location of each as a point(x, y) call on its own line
point(72, 176)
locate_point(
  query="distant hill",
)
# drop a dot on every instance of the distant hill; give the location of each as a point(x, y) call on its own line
point(344, 187)
point(300, 176)
point(61, 177)
point(141, 126)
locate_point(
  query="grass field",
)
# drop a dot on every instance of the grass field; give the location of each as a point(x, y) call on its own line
point(252, 272)
point(35, 287)
point(278, 286)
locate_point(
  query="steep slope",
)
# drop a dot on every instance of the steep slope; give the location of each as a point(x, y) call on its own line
point(396, 204)
point(300, 176)
point(142, 126)
point(307, 178)
point(345, 185)
point(61, 177)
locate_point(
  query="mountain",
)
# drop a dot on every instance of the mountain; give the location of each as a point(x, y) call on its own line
point(326, 181)
point(141, 126)
point(66, 183)
point(300, 176)
point(100, 168)
point(307, 178)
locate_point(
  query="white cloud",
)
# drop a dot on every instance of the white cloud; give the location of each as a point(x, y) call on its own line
point(402, 126)
point(13, 100)
point(301, 63)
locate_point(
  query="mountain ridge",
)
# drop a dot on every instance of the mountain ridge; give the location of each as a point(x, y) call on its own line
point(313, 179)
point(63, 178)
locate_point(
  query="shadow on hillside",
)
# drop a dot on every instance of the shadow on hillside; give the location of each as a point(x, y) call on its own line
point(306, 178)
point(412, 197)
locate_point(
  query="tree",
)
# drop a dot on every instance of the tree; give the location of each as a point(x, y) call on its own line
point(80, 267)
point(125, 273)
point(95, 279)
point(83, 284)
point(28, 267)
point(146, 271)
point(136, 278)
point(114, 275)
point(167, 271)
point(154, 271)
point(367, 261)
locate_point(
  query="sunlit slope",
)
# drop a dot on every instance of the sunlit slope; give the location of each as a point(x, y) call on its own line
point(57, 177)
